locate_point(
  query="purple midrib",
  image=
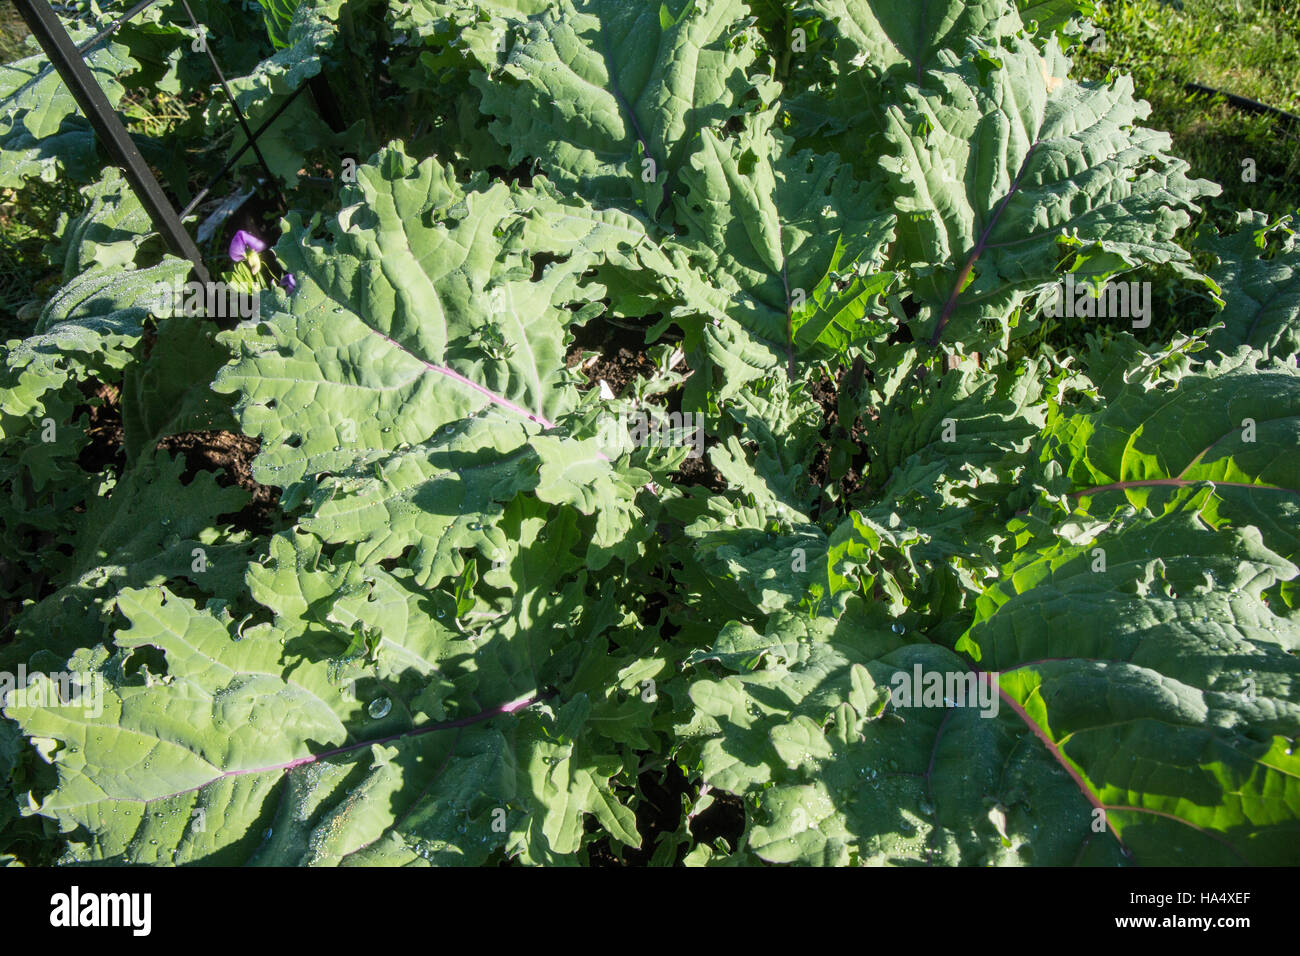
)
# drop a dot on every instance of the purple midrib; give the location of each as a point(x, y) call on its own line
point(487, 393)
point(497, 711)
point(979, 248)
point(1068, 766)
point(496, 399)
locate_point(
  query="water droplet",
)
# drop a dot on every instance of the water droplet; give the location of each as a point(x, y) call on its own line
point(379, 707)
point(898, 628)
point(441, 613)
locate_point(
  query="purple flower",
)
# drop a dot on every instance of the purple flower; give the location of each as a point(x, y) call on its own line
point(289, 282)
point(243, 243)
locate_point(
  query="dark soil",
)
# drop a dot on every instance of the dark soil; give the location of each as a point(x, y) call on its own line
point(826, 393)
point(621, 354)
point(232, 455)
point(620, 358)
point(724, 818)
point(103, 428)
point(660, 812)
point(225, 452)
point(698, 471)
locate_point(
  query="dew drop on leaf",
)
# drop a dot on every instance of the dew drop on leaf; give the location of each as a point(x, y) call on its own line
point(379, 707)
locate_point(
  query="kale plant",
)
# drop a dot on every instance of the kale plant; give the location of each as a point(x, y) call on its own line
point(990, 558)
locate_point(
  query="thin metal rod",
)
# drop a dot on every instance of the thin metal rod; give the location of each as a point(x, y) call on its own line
point(54, 40)
point(239, 114)
point(202, 193)
point(112, 27)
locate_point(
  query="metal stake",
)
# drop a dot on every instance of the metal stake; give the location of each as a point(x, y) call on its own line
point(54, 40)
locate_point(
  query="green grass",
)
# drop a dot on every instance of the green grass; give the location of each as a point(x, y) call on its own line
point(29, 217)
point(1247, 47)
point(26, 218)
point(29, 220)
point(12, 34)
